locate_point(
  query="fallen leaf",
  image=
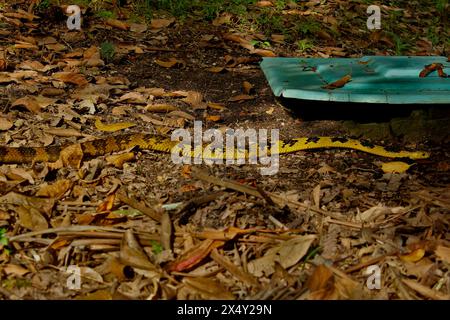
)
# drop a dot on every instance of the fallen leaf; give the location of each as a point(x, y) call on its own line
point(161, 23)
point(172, 62)
point(395, 167)
point(5, 124)
point(413, 256)
point(443, 253)
point(117, 24)
point(113, 126)
point(31, 218)
point(241, 97)
point(71, 77)
point(55, 190)
point(339, 83)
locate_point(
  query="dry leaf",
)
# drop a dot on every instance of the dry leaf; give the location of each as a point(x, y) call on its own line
point(71, 77)
point(113, 126)
point(31, 218)
point(241, 97)
point(413, 256)
point(247, 86)
point(55, 190)
point(395, 167)
point(195, 100)
point(5, 124)
point(29, 103)
point(172, 62)
point(443, 253)
point(339, 83)
point(117, 24)
point(161, 23)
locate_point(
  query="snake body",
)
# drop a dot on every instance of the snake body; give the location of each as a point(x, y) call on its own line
point(103, 146)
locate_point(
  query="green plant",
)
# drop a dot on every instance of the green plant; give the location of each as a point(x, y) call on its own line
point(44, 4)
point(400, 46)
point(304, 45)
point(441, 5)
point(309, 26)
point(3, 238)
point(106, 14)
point(107, 51)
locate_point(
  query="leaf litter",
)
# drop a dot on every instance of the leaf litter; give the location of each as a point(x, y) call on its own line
point(140, 227)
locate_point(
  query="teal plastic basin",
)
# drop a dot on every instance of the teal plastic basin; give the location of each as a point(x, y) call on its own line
point(375, 79)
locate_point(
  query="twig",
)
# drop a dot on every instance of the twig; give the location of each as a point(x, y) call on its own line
point(63, 229)
point(148, 211)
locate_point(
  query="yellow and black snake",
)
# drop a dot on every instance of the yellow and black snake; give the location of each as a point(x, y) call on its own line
point(160, 143)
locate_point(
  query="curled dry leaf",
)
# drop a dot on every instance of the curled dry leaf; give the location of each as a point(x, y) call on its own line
point(339, 83)
point(247, 87)
point(195, 255)
point(113, 126)
point(263, 52)
point(172, 62)
point(133, 255)
point(108, 204)
point(241, 98)
point(117, 24)
point(413, 256)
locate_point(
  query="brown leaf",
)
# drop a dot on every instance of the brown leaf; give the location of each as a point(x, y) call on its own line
point(5, 124)
point(71, 77)
point(443, 253)
point(55, 190)
point(107, 205)
point(161, 23)
point(264, 52)
point(321, 284)
point(195, 99)
point(172, 62)
point(264, 3)
point(195, 255)
point(133, 255)
point(247, 86)
point(117, 24)
point(339, 83)
point(31, 218)
point(241, 97)
point(29, 103)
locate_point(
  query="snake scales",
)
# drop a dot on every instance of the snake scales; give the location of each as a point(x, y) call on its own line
point(159, 143)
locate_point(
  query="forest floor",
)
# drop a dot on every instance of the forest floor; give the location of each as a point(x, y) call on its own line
point(141, 227)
